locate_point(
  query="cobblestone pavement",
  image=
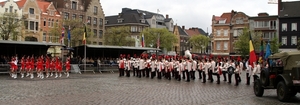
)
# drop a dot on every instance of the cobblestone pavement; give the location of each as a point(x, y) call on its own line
point(109, 89)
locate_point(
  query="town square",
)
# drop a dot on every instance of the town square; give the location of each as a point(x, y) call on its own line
point(132, 52)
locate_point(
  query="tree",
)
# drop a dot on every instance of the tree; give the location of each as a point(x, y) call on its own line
point(199, 42)
point(274, 45)
point(10, 26)
point(76, 29)
point(242, 44)
point(119, 36)
point(166, 38)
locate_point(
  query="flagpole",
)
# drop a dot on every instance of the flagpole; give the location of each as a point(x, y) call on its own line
point(85, 57)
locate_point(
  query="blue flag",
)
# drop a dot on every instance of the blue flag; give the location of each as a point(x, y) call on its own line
point(69, 34)
point(268, 51)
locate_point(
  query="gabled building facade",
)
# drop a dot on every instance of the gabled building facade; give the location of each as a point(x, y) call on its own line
point(50, 18)
point(198, 31)
point(289, 18)
point(10, 6)
point(131, 18)
point(94, 13)
point(32, 17)
point(225, 30)
point(182, 40)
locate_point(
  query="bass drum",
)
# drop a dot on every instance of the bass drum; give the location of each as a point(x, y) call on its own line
point(230, 70)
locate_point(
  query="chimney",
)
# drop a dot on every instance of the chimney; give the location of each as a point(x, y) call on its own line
point(263, 14)
point(183, 27)
point(279, 6)
point(167, 16)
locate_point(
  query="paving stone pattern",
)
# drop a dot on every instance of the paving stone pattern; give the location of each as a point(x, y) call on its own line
point(109, 89)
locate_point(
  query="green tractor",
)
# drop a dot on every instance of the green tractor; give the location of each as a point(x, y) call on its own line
point(285, 78)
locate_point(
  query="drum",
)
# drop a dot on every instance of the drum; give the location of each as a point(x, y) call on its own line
point(230, 70)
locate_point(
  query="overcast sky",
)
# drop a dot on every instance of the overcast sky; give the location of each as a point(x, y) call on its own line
point(191, 13)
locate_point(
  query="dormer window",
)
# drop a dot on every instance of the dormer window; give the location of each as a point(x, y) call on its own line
point(222, 21)
point(120, 20)
point(142, 20)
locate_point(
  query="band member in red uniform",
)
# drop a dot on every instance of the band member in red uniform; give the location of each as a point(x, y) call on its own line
point(52, 67)
point(28, 67)
point(58, 67)
point(68, 66)
point(47, 66)
point(121, 66)
point(13, 67)
point(39, 68)
point(22, 69)
point(32, 67)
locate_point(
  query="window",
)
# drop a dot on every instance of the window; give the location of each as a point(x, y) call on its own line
point(218, 32)
point(222, 21)
point(94, 43)
point(31, 25)
point(100, 34)
point(218, 44)
point(239, 21)
point(74, 5)
point(262, 24)
point(45, 21)
point(44, 36)
point(225, 45)
point(49, 22)
point(36, 25)
point(95, 21)
point(31, 10)
point(235, 33)
point(140, 29)
point(133, 29)
point(101, 22)
point(153, 21)
point(106, 21)
point(15, 11)
point(120, 20)
point(294, 26)
point(225, 32)
point(284, 40)
point(100, 43)
point(74, 16)
point(294, 40)
point(52, 23)
point(95, 9)
point(95, 33)
point(11, 9)
point(284, 27)
point(6, 10)
point(142, 20)
point(80, 18)
point(66, 15)
point(89, 20)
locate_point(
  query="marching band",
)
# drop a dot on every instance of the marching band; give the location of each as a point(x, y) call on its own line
point(43, 66)
point(185, 67)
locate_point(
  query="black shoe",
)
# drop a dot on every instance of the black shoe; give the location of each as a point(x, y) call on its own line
point(204, 82)
point(187, 81)
point(224, 80)
point(228, 82)
point(218, 82)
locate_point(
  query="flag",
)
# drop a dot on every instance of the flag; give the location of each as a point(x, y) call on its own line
point(261, 50)
point(252, 56)
point(143, 41)
point(157, 44)
point(62, 35)
point(84, 35)
point(268, 50)
point(69, 33)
